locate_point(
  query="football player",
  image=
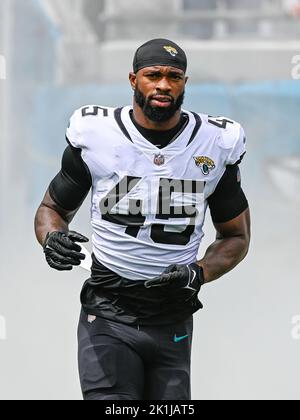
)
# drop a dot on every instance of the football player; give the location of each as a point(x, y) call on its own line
point(153, 169)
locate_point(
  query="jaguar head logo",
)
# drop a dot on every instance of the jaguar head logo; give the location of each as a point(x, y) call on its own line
point(205, 164)
point(171, 50)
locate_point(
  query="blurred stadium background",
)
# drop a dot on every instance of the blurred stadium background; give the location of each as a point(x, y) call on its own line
point(243, 57)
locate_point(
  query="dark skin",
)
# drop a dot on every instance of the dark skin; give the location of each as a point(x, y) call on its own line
point(233, 237)
point(51, 218)
point(229, 249)
point(158, 80)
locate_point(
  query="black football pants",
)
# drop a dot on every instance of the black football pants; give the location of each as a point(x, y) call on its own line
point(122, 362)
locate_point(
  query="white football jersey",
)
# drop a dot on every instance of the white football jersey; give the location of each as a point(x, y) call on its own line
point(149, 204)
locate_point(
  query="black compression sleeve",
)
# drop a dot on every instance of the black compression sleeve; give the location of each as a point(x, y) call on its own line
point(228, 201)
point(72, 184)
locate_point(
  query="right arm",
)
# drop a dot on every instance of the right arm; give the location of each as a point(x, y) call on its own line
point(50, 217)
point(62, 200)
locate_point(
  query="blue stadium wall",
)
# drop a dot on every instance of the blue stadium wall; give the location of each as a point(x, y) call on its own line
point(40, 109)
point(269, 113)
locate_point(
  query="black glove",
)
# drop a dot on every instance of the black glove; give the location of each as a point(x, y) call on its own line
point(182, 281)
point(61, 251)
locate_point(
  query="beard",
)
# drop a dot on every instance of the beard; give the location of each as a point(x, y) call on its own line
point(154, 113)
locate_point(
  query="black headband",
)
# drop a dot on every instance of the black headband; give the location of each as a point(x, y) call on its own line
point(159, 52)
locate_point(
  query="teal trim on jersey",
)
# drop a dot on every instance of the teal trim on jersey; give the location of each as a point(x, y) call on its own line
point(178, 339)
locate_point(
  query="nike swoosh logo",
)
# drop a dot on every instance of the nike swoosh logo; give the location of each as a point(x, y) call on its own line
point(194, 272)
point(178, 339)
point(191, 281)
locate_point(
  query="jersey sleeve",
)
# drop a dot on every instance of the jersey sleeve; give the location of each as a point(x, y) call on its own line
point(228, 200)
point(237, 143)
point(84, 124)
point(74, 130)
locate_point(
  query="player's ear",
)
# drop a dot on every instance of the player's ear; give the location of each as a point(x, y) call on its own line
point(186, 80)
point(132, 79)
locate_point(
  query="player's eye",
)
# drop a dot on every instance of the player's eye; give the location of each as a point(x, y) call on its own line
point(176, 77)
point(153, 75)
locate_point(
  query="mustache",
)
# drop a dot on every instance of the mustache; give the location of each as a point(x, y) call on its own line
point(154, 113)
point(160, 95)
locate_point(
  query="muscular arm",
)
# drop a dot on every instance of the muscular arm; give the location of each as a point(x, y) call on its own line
point(50, 217)
point(64, 196)
point(229, 249)
point(231, 217)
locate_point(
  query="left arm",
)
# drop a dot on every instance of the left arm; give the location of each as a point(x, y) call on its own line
point(229, 249)
point(231, 217)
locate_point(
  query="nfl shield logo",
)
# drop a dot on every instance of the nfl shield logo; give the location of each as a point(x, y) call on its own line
point(159, 160)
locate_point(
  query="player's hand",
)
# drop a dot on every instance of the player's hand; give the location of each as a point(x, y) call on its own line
point(182, 281)
point(61, 250)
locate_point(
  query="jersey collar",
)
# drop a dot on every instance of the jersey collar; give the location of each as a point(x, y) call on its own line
point(182, 140)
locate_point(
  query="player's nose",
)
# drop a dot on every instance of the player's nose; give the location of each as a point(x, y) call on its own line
point(163, 85)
